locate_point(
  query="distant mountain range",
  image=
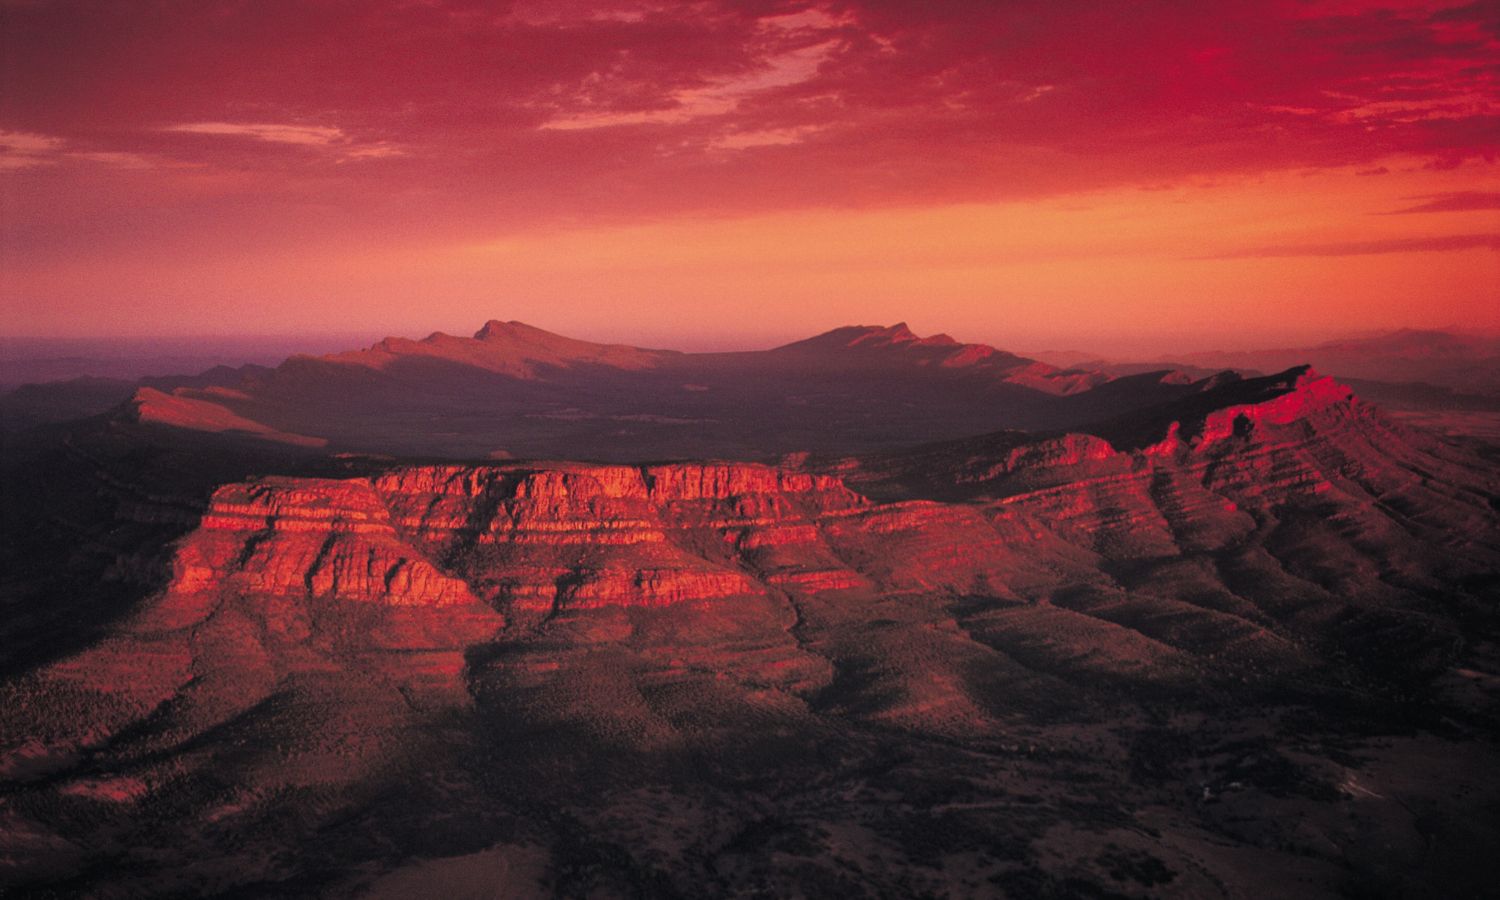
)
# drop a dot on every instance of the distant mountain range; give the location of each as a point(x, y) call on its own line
point(512, 390)
point(35, 360)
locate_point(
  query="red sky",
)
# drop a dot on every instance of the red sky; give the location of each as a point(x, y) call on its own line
point(1141, 176)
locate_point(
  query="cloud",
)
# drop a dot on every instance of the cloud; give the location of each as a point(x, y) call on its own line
point(580, 111)
point(373, 151)
point(22, 150)
point(1459, 201)
point(767, 137)
point(1369, 248)
point(785, 59)
point(560, 12)
point(318, 137)
point(26, 150)
point(301, 135)
point(115, 158)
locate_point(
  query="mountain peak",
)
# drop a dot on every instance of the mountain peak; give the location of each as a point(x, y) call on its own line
point(495, 328)
point(898, 345)
point(899, 331)
point(899, 334)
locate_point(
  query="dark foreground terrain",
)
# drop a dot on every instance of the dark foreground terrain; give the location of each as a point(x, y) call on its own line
point(1238, 643)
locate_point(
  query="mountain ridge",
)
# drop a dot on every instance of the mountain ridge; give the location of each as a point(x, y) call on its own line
point(517, 390)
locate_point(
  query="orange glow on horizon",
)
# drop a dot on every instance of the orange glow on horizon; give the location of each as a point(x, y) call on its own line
point(758, 178)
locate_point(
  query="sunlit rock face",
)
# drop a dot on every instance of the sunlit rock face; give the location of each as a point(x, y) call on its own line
point(571, 535)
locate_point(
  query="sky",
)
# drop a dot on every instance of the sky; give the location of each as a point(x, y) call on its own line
point(1119, 177)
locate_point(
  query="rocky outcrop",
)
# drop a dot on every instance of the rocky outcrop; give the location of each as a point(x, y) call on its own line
point(1195, 475)
point(1312, 400)
point(1068, 450)
point(1237, 459)
point(536, 539)
point(319, 537)
point(532, 538)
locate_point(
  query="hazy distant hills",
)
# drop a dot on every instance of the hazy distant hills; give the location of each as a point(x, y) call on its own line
point(1462, 363)
point(54, 379)
point(515, 390)
point(33, 360)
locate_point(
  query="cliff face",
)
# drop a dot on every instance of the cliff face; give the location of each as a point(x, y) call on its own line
point(320, 537)
point(523, 538)
point(534, 540)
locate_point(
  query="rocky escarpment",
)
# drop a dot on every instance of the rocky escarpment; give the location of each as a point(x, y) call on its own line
point(321, 537)
point(1211, 473)
point(1275, 516)
point(1261, 512)
point(593, 535)
point(535, 539)
point(1219, 464)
